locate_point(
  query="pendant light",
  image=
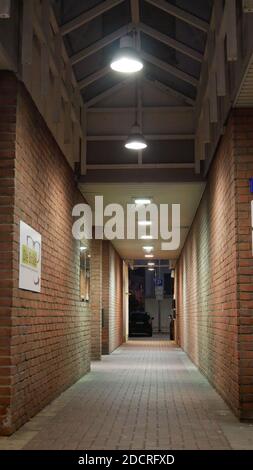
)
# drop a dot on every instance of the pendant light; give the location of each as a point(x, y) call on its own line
point(127, 59)
point(135, 140)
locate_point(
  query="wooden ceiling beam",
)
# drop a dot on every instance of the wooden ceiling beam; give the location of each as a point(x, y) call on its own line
point(149, 109)
point(180, 14)
point(170, 42)
point(170, 69)
point(135, 12)
point(97, 46)
point(144, 166)
point(89, 15)
point(94, 77)
point(157, 137)
point(169, 90)
point(110, 91)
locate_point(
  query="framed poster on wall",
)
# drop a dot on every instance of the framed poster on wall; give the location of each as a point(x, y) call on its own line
point(29, 259)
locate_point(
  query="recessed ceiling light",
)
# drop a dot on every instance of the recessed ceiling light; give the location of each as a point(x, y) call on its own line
point(146, 237)
point(145, 223)
point(149, 256)
point(151, 264)
point(148, 248)
point(142, 201)
point(127, 60)
point(151, 269)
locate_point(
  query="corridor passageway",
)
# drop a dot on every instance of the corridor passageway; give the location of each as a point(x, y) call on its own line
point(126, 208)
point(146, 395)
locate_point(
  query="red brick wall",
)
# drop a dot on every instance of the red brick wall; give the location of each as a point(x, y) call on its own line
point(243, 151)
point(112, 335)
point(96, 299)
point(115, 299)
point(215, 273)
point(8, 103)
point(206, 280)
point(50, 342)
point(105, 298)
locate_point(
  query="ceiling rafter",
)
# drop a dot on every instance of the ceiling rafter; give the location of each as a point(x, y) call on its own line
point(170, 69)
point(145, 166)
point(149, 58)
point(119, 86)
point(169, 90)
point(94, 77)
point(148, 109)
point(180, 14)
point(110, 91)
point(170, 42)
point(135, 12)
point(158, 137)
point(98, 45)
point(89, 15)
point(164, 38)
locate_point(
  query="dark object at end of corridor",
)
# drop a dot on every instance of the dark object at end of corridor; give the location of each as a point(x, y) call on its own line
point(140, 324)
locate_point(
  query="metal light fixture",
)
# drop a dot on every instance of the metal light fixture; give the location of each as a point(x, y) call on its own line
point(127, 59)
point(142, 201)
point(145, 223)
point(146, 237)
point(136, 140)
point(5, 9)
point(148, 249)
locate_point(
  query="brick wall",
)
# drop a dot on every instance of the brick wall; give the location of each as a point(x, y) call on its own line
point(96, 299)
point(49, 347)
point(112, 336)
point(105, 298)
point(115, 300)
point(214, 273)
point(243, 151)
point(8, 104)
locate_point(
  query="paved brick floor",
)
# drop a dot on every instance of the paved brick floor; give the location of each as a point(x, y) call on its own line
point(146, 395)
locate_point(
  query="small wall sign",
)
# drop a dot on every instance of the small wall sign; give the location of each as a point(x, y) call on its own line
point(29, 259)
point(252, 224)
point(251, 185)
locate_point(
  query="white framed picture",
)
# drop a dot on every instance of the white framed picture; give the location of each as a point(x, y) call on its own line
point(29, 259)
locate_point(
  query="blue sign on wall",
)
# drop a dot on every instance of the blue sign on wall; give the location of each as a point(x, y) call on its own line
point(251, 185)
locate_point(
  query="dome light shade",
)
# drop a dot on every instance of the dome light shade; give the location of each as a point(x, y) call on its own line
point(127, 59)
point(148, 249)
point(126, 63)
point(136, 141)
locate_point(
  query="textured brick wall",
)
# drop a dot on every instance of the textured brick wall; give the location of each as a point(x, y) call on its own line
point(115, 299)
point(96, 299)
point(206, 279)
point(112, 336)
point(8, 104)
point(243, 151)
point(214, 272)
point(105, 298)
point(50, 334)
